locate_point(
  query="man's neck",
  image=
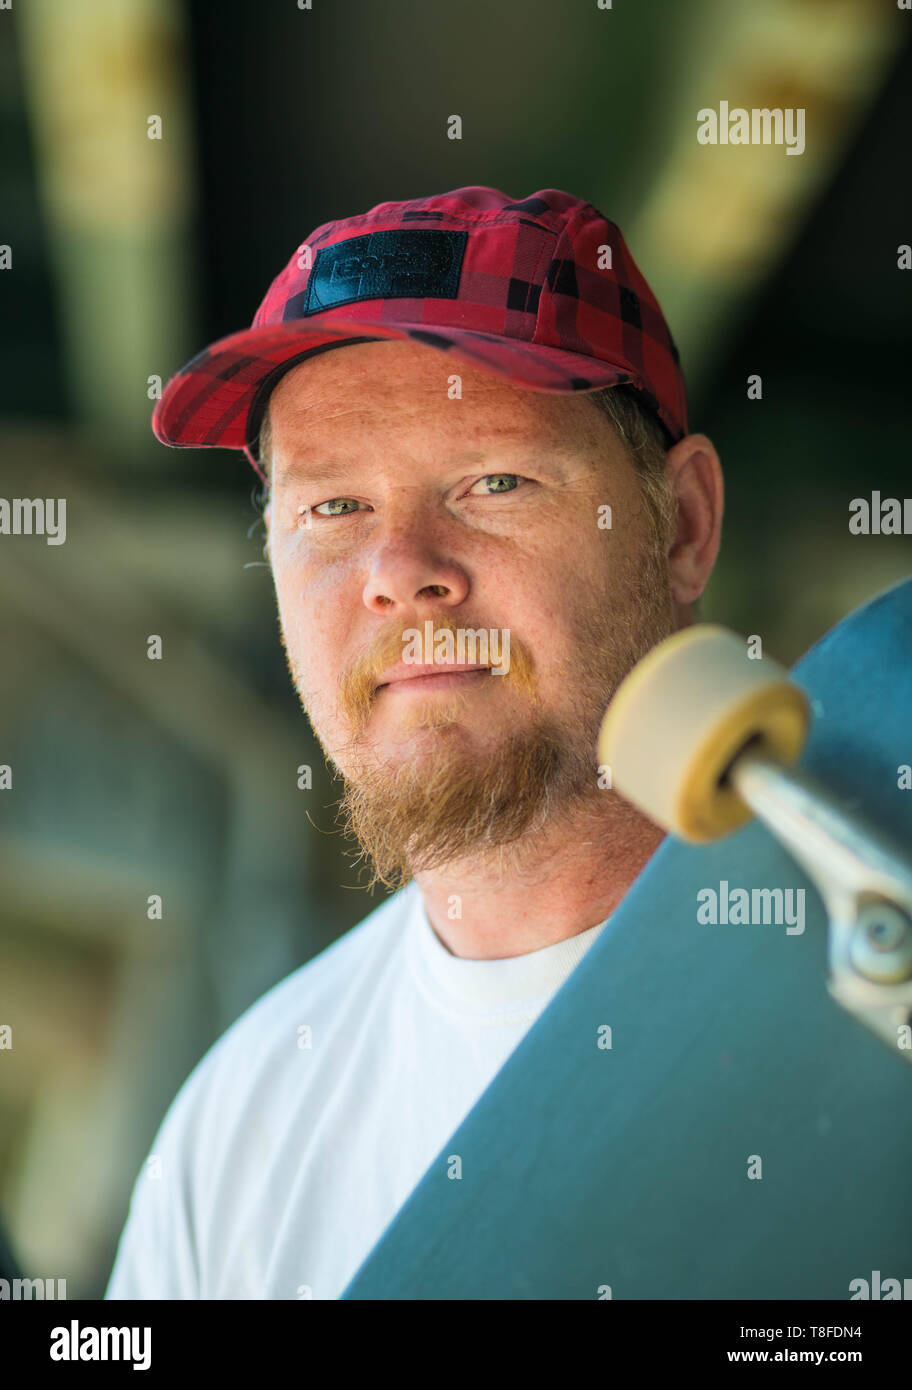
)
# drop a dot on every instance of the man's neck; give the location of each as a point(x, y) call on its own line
point(567, 878)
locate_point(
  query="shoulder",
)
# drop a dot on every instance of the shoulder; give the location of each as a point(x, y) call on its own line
point(306, 1001)
point(317, 985)
point(249, 1080)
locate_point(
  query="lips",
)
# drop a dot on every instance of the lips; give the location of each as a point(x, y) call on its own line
point(413, 671)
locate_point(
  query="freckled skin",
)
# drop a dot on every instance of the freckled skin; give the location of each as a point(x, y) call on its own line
point(431, 533)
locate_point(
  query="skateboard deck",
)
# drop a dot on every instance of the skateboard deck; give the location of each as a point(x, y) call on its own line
point(737, 1134)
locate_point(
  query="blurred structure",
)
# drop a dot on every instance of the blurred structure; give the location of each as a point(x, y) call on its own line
point(179, 777)
point(734, 208)
point(116, 194)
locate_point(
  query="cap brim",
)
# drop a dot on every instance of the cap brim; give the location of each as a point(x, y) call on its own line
point(216, 400)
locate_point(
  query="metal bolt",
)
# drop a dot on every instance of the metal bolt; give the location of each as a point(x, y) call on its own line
point(881, 945)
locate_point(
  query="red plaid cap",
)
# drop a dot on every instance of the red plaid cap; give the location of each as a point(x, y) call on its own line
point(543, 292)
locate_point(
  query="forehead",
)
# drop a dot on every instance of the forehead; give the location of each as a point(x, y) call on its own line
point(397, 384)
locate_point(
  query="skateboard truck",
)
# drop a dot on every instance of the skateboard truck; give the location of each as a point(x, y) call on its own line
point(701, 737)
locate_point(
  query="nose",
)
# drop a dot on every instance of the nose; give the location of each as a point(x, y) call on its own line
point(408, 569)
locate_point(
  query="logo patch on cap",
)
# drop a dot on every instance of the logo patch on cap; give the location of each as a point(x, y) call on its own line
point(394, 264)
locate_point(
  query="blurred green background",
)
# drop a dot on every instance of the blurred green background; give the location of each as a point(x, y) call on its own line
point(128, 255)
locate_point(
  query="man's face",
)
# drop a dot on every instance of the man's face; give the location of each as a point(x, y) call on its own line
point(393, 506)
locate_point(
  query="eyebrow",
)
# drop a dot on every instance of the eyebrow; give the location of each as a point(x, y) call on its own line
point(328, 470)
point(312, 473)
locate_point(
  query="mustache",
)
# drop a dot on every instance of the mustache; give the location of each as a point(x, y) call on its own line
point(358, 685)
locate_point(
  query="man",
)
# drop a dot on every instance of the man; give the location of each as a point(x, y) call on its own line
point(445, 478)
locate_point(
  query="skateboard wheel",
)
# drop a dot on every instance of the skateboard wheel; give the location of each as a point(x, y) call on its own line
point(681, 717)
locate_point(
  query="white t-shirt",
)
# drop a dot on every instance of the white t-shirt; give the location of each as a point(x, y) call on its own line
point(295, 1140)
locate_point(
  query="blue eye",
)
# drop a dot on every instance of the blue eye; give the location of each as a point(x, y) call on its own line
point(512, 478)
point(330, 503)
point(503, 482)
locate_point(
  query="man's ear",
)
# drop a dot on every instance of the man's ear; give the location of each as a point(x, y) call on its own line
point(267, 521)
point(695, 474)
